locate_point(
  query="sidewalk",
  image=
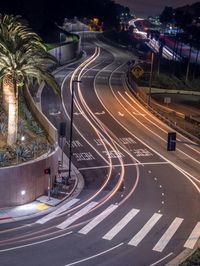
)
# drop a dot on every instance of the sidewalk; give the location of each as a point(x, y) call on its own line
point(43, 204)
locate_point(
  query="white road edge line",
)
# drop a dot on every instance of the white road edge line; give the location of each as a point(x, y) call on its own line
point(118, 165)
point(141, 141)
point(96, 255)
point(158, 261)
point(36, 243)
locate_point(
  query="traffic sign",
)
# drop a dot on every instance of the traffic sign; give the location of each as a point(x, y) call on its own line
point(137, 71)
point(171, 141)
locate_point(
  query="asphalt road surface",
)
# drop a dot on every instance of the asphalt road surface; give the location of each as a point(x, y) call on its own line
point(140, 203)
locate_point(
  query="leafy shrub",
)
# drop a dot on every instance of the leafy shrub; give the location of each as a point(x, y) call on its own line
point(23, 152)
point(3, 157)
point(36, 128)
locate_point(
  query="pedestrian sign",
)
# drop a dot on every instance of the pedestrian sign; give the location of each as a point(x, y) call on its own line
point(137, 71)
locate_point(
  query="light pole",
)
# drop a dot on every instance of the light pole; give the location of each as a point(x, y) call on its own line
point(71, 127)
point(60, 48)
point(150, 80)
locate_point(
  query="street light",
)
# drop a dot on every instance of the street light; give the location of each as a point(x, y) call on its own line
point(71, 127)
point(59, 49)
point(150, 80)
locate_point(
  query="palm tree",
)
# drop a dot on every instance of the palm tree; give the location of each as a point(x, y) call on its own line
point(23, 58)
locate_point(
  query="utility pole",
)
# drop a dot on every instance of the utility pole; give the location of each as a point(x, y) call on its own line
point(150, 80)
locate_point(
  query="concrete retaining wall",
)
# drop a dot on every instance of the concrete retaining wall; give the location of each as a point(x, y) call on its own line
point(28, 177)
point(66, 52)
point(46, 124)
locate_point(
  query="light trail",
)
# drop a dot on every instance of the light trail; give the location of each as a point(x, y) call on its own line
point(189, 179)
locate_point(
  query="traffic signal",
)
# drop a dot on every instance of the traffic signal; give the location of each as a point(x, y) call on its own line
point(47, 171)
point(171, 141)
point(62, 129)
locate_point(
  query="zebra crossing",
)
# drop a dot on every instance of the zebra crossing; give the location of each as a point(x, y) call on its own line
point(117, 228)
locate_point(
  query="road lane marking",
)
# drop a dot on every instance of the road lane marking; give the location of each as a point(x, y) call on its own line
point(145, 230)
point(118, 165)
point(121, 224)
point(98, 219)
point(77, 215)
point(155, 263)
point(57, 211)
point(194, 236)
point(94, 256)
point(187, 175)
point(168, 235)
point(36, 243)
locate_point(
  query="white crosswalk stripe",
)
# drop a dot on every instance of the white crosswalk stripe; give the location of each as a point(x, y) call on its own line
point(86, 229)
point(121, 224)
point(136, 239)
point(77, 215)
point(168, 235)
point(53, 214)
point(193, 238)
point(145, 230)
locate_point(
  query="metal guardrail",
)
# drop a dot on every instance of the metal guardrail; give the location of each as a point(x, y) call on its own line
point(157, 110)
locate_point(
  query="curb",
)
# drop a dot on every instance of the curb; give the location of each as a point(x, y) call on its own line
point(79, 185)
point(183, 256)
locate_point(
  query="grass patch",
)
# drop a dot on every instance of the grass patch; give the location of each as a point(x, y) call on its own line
point(194, 260)
point(166, 81)
point(50, 46)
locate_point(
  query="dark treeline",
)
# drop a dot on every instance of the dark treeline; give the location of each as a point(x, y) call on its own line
point(42, 13)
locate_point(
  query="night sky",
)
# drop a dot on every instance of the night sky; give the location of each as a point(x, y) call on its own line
point(144, 8)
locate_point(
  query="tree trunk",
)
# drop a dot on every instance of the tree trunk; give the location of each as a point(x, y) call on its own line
point(10, 99)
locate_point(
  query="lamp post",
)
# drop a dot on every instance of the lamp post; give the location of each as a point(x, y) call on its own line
point(60, 48)
point(150, 80)
point(71, 126)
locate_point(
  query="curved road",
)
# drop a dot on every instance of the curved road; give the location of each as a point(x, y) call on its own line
point(140, 204)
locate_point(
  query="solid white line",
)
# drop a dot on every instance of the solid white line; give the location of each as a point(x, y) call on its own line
point(94, 256)
point(145, 230)
point(57, 211)
point(63, 104)
point(153, 264)
point(98, 219)
point(36, 243)
point(194, 236)
point(116, 165)
point(77, 215)
point(168, 235)
point(141, 141)
point(121, 224)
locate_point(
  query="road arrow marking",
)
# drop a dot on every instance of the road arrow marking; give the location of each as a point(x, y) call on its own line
point(120, 114)
point(77, 113)
point(100, 113)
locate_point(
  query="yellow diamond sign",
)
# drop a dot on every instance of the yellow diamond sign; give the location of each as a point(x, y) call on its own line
point(137, 71)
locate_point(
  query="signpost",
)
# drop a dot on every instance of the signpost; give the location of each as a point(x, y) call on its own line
point(47, 171)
